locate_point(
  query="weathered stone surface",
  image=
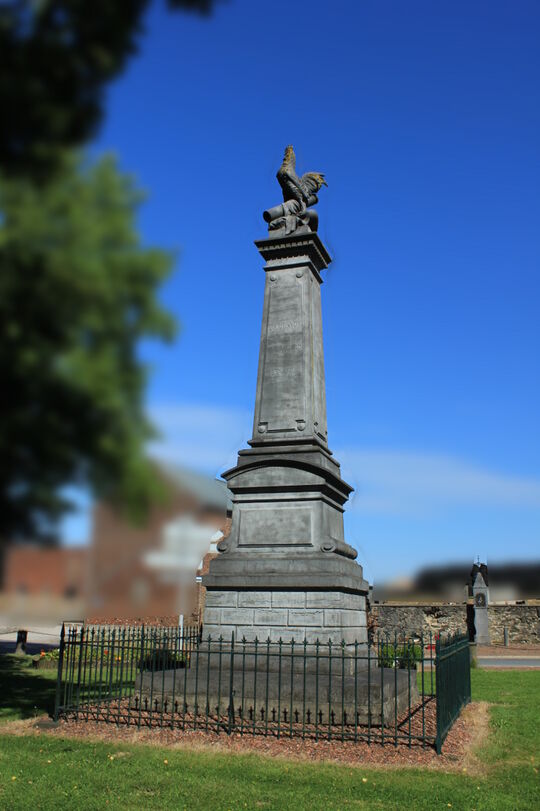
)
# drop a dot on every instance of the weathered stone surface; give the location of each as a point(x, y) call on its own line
point(274, 616)
point(336, 599)
point(288, 599)
point(256, 599)
point(215, 599)
point(240, 616)
point(290, 387)
point(306, 618)
point(521, 621)
point(415, 620)
point(212, 616)
point(343, 618)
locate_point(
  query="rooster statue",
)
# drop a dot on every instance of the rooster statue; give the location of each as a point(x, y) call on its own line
point(298, 194)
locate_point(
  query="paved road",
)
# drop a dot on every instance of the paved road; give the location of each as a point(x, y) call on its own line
point(506, 661)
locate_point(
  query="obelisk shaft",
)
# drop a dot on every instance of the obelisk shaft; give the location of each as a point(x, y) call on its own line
point(290, 400)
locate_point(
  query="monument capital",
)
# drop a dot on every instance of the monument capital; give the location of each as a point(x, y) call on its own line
point(282, 251)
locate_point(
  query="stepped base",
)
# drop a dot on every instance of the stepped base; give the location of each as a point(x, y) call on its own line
point(370, 696)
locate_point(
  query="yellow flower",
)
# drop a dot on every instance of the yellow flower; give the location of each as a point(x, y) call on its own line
point(13, 778)
point(364, 779)
point(165, 761)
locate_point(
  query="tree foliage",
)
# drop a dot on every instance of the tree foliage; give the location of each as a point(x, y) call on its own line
point(56, 57)
point(77, 288)
point(77, 293)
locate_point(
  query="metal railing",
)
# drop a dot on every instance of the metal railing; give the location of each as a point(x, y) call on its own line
point(452, 656)
point(395, 690)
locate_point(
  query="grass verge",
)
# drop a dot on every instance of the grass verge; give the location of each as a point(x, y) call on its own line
point(52, 772)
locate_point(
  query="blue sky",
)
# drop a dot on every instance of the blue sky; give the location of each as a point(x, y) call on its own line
point(425, 118)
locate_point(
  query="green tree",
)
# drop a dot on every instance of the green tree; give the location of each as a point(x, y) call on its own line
point(77, 293)
point(56, 57)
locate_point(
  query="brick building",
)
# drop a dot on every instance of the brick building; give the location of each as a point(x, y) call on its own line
point(33, 571)
point(122, 583)
point(113, 578)
point(42, 586)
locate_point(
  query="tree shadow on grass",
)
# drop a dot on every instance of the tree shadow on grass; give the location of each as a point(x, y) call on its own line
point(24, 692)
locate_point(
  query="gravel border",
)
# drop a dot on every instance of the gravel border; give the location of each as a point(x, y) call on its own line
point(458, 751)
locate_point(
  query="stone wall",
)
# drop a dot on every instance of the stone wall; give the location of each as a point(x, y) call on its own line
point(391, 618)
point(522, 621)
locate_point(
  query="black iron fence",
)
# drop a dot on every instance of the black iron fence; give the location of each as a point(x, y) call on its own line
point(453, 682)
point(393, 691)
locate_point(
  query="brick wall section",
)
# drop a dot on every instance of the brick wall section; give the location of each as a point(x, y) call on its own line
point(58, 572)
point(120, 584)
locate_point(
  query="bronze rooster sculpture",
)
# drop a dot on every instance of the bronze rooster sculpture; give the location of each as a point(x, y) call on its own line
point(298, 194)
point(304, 188)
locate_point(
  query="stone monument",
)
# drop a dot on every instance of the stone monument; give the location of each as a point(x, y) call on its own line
point(285, 570)
point(481, 600)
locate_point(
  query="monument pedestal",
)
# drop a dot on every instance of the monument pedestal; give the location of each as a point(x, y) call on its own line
point(285, 570)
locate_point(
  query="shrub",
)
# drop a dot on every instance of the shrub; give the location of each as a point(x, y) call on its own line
point(162, 659)
point(404, 657)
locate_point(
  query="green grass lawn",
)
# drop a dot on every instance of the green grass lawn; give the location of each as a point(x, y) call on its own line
point(55, 773)
point(24, 691)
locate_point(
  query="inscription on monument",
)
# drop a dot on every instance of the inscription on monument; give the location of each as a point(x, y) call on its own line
point(284, 326)
point(278, 526)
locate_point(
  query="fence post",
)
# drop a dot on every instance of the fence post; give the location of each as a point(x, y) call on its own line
point(141, 660)
point(438, 695)
point(59, 675)
point(231, 689)
point(79, 670)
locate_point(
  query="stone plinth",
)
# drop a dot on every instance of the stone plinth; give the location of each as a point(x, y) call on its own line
point(261, 690)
